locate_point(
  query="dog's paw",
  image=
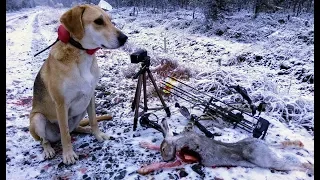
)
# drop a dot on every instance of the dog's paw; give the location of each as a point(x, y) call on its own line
point(69, 157)
point(48, 152)
point(100, 136)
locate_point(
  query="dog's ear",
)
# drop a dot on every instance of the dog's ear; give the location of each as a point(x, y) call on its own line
point(72, 21)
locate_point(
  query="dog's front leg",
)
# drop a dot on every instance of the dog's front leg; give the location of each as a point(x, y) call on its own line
point(93, 122)
point(69, 156)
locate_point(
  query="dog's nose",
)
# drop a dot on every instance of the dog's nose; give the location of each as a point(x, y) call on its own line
point(122, 39)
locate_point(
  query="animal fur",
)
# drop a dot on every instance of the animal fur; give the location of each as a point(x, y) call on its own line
point(64, 87)
point(249, 152)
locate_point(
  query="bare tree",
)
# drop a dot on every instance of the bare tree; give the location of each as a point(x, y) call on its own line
point(265, 6)
point(212, 9)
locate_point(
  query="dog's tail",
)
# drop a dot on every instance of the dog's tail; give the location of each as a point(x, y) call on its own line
point(85, 122)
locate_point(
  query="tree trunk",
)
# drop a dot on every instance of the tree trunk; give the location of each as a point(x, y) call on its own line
point(295, 2)
point(300, 7)
point(239, 5)
point(194, 10)
point(257, 7)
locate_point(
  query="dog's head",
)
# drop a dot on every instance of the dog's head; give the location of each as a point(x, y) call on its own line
point(92, 27)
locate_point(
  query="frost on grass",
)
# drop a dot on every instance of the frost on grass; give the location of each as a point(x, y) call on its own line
point(284, 106)
point(272, 59)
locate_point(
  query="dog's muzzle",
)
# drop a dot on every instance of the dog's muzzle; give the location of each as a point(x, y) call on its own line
point(122, 39)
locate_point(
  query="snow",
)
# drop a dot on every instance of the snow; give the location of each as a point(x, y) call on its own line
point(194, 47)
point(103, 4)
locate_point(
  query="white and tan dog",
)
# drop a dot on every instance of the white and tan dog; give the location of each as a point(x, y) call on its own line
point(64, 88)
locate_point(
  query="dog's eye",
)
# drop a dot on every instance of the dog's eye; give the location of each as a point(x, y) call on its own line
point(98, 21)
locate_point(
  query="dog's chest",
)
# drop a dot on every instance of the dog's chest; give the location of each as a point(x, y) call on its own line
point(80, 87)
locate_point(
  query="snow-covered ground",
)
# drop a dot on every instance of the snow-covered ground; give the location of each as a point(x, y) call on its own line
point(271, 56)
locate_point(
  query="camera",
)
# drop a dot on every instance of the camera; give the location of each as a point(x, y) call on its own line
point(138, 56)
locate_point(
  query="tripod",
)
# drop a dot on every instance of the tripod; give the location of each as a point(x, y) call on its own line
point(141, 75)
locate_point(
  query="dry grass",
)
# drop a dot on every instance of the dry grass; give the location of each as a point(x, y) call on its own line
point(168, 67)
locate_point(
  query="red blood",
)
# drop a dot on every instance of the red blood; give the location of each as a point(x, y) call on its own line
point(158, 165)
point(46, 167)
point(83, 170)
point(186, 156)
point(73, 139)
point(23, 101)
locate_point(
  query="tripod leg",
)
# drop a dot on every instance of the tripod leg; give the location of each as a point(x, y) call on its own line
point(159, 95)
point(137, 101)
point(135, 97)
point(145, 108)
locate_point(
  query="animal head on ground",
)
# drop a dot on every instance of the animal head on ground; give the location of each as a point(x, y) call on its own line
point(167, 147)
point(92, 27)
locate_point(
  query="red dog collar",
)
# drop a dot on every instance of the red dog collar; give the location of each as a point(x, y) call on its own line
point(64, 36)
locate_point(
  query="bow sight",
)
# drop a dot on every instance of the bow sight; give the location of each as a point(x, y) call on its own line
point(214, 107)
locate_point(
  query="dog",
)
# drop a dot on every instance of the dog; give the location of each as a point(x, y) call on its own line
point(64, 87)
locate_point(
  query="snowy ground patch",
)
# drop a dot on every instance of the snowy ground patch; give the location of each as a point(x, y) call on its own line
point(273, 60)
